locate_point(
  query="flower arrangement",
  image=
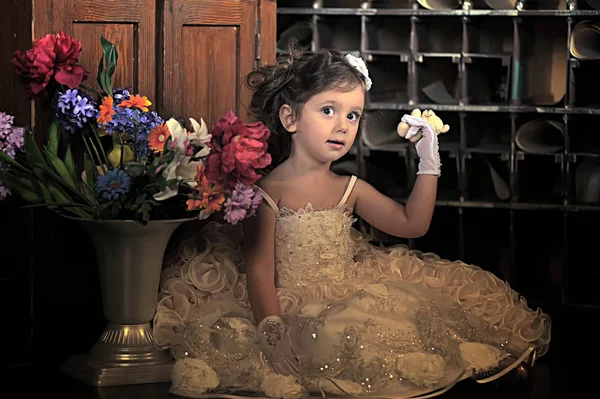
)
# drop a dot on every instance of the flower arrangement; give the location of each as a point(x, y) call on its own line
point(108, 156)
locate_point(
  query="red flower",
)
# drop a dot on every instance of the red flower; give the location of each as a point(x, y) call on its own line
point(55, 55)
point(237, 151)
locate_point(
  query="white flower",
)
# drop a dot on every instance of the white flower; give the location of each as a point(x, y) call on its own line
point(479, 356)
point(180, 168)
point(422, 369)
point(281, 386)
point(191, 377)
point(359, 64)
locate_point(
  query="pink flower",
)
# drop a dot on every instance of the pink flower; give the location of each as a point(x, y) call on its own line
point(237, 151)
point(242, 203)
point(53, 56)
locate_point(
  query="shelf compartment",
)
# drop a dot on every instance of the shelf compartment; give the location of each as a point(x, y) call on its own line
point(443, 236)
point(389, 4)
point(389, 172)
point(380, 131)
point(438, 35)
point(487, 132)
point(582, 275)
point(437, 80)
point(539, 178)
point(584, 86)
point(539, 252)
point(487, 35)
point(487, 244)
point(487, 79)
point(387, 34)
point(300, 27)
point(339, 32)
point(583, 137)
point(448, 187)
point(540, 135)
point(486, 177)
point(389, 74)
point(541, 63)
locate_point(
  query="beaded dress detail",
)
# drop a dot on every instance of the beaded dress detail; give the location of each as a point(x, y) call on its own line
point(365, 320)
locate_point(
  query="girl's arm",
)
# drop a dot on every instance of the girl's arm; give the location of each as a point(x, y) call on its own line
point(413, 220)
point(393, 218)
point(259, 258)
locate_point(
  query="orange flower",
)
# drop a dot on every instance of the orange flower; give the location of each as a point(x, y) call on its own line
point(106, 110)
point(201, 178)
point(157, 137)
point(136, 101)
point(211, 198)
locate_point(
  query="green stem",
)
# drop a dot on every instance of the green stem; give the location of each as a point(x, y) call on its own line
point(135, 144)
point(97, 138)
point(102, 164)
point(92, 90)
point(122, 151)
point(89, 151)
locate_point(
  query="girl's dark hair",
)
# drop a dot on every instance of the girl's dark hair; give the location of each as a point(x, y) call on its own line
point(293, 80)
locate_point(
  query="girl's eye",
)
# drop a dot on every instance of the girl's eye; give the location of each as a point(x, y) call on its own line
point(328, 110)
point(353, 116)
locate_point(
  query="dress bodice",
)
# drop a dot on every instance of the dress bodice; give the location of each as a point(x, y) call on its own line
point(313, 245)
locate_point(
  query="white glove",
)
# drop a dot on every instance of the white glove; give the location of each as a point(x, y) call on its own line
point(427, 147)
point(275, 343)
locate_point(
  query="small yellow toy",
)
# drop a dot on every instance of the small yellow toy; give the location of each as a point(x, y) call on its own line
point(428, 115)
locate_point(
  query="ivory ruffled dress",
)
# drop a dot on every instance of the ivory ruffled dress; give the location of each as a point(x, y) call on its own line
point(365, 320)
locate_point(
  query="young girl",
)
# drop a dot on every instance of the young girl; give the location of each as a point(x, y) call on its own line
point(301, 303)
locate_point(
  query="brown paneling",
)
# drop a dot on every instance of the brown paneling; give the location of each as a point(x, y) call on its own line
point(210, 71)
point(15, 23)
point(86, 19)
point(267, 22)
point(123, 37)
point(210, 81)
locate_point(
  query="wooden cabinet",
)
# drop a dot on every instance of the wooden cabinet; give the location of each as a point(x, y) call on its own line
point(189, 57)
point(209, 46)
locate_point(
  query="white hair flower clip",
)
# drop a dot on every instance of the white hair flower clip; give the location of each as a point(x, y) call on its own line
point(360, 65)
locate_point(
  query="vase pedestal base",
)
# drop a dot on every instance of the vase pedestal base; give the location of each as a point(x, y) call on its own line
point(123, 355)
point(99, 376)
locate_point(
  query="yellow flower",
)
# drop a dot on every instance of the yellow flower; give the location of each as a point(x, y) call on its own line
point(115, 155)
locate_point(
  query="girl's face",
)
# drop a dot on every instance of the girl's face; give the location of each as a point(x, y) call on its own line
point(327, 125)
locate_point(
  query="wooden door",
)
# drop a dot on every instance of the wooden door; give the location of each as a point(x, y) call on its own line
point(209, 47)
point(129, 25)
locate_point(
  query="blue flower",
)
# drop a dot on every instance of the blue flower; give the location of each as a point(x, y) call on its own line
point(114, 184)
point(73, 109)
point(134, 122)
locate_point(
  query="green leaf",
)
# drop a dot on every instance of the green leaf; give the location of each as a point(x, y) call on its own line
point(53, 138)
point(110, 55)
point(23, 188)
point(107, 65)
point(61, 169)
point(70, 164)
point(13, 163)
point(32, 151)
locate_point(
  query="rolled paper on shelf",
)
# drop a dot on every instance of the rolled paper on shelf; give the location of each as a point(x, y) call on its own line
point(587, 182)
point(440, 4)
point(595, 4)
point(381, 130)
point(585, 40)
point(500, 185)
point(541, 136)
point(438, 93)
point(501, 4)
point(302, 31)
point(387, 3)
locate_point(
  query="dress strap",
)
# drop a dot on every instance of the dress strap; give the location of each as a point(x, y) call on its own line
point(348, 190)
point(269, 200)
